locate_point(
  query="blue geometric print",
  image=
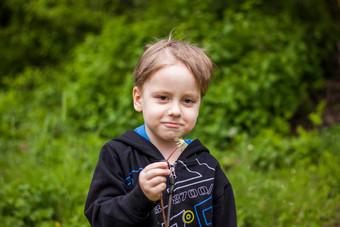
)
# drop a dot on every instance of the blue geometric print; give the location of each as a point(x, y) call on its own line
point(209, 215)
point(129, 180)
point(201, 210)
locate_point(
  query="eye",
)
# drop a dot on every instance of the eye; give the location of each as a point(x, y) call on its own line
point(189, 101)
point(162, 97)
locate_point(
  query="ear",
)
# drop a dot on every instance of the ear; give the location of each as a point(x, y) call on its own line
point(137, 99)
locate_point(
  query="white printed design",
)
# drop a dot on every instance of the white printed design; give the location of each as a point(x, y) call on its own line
point(194, 176)
point(197, 185)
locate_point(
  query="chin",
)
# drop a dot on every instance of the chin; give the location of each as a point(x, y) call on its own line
point(172, 137)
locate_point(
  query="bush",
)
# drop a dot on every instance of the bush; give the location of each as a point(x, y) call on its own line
point(285, 181)
point(41, 33)
point(47, 181)
point(66, 89)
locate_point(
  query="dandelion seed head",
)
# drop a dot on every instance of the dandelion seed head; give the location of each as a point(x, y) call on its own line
point(180, 143)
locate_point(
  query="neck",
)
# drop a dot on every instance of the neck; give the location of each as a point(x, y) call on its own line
point(172, 152)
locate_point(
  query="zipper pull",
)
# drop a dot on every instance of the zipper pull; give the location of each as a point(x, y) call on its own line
point(173, 173)
point(171, 190)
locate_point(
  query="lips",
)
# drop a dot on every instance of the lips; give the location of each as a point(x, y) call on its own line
point(171, 124)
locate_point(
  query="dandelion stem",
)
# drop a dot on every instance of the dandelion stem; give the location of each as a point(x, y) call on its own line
point(172, 152)
point(180, 144)
point(163, 212)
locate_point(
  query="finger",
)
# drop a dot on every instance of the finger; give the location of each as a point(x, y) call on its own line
point(156, 172)
point(156, 165)
point(158, 189)
point(155, 181)
point(154, 193)
point(160, 165)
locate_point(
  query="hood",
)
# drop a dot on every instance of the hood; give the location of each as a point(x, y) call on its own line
point(139, 143)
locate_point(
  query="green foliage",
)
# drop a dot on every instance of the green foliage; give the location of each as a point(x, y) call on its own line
point(316, 117)
point(49, 179)
point(261, 79)
point(66, 84)
point(286, 181)
point(39, 33)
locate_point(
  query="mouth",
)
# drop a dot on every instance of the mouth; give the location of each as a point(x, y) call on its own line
point(171, 124)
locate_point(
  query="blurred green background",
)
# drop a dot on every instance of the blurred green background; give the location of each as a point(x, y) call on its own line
point(271, 114)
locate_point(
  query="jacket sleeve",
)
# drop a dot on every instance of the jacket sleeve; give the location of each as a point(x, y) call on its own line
point(108, 201)
point(224, 203)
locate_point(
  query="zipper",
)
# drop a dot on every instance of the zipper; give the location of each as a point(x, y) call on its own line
point(172, 186)
point(172, 170)
point(180, 143)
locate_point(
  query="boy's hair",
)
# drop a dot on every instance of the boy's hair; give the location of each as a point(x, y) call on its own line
point(157, 56)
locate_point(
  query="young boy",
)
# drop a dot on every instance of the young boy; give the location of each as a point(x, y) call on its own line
point(132, 184)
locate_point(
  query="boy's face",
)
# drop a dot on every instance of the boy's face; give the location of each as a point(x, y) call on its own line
point(169, 101)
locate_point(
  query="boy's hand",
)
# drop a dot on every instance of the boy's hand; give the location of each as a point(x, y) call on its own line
point(152, 180)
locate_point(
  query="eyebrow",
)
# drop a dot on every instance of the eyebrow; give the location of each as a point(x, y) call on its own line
point(193, 94)
point(160, 91)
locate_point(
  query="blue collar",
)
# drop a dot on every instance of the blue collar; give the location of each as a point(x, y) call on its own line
point(141, 131)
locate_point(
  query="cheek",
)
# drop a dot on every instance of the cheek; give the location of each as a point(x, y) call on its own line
point(197, 110)
point(193, 115)
point(152, 112)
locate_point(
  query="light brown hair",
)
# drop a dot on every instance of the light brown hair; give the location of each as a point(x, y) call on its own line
point(159, 55)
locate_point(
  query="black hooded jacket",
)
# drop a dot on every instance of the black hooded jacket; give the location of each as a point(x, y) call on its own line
point(202, 194)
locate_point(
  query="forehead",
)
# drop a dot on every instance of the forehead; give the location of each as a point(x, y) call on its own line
point(175, 76)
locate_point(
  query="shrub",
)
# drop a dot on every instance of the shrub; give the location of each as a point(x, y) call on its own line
point(292, 184)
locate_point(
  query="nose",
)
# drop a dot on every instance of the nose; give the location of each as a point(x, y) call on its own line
point(174, 109)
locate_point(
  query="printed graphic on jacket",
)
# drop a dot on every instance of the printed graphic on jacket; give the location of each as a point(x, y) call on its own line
point(192, 198)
